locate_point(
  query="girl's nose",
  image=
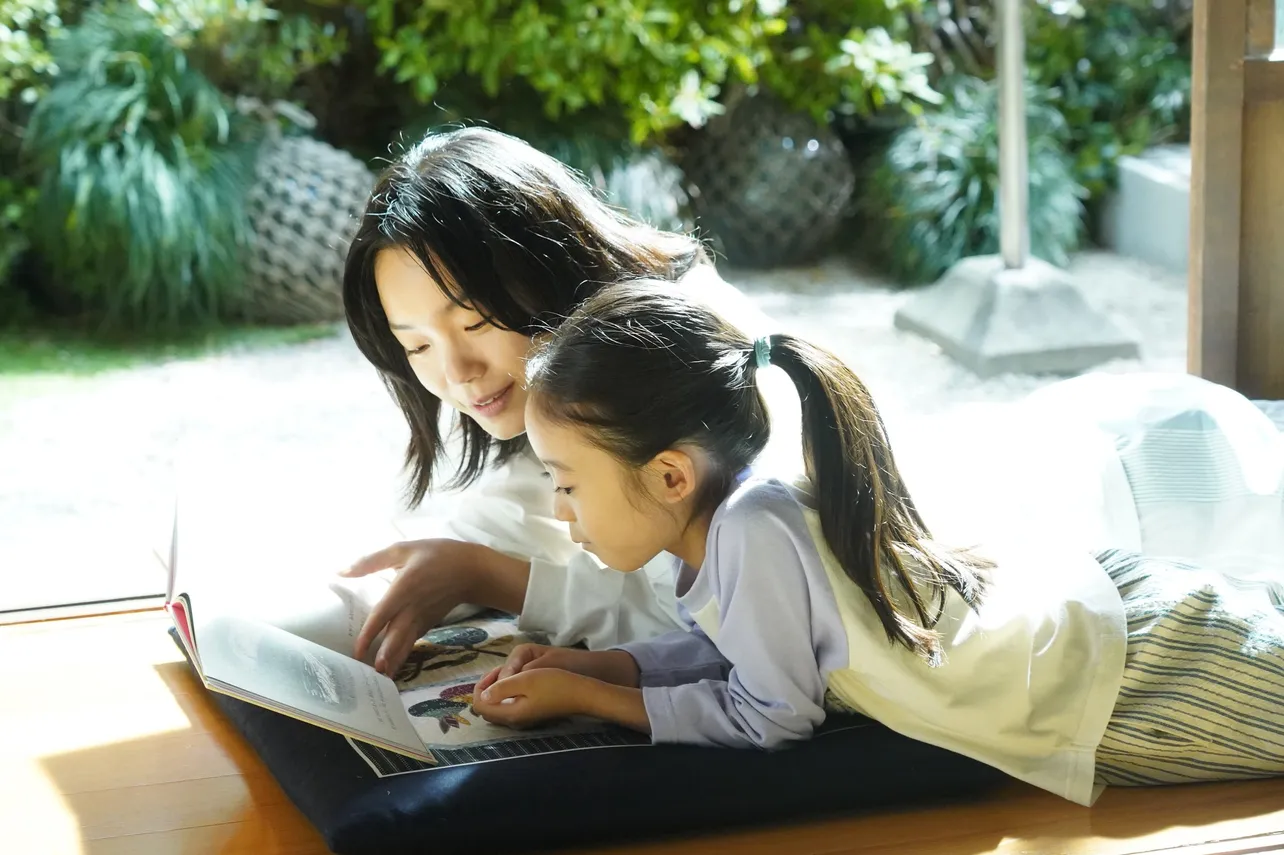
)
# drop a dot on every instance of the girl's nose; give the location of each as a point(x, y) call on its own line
point(562, 509)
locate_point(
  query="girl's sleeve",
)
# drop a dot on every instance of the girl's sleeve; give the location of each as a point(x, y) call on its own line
point(679, 657)
point(570, 596)
point(773, 692)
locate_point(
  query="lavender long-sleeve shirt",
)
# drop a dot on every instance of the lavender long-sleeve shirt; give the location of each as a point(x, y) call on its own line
point(755, 601)
point(774, 624)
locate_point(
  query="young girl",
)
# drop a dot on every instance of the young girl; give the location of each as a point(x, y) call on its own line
point(471, 241)
point(1061, 669)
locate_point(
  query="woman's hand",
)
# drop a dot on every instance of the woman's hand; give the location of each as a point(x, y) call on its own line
point(544, 694)
point(433, 577)
point(609, 666)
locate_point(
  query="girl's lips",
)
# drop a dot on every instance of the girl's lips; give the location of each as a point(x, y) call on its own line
point(495, 404)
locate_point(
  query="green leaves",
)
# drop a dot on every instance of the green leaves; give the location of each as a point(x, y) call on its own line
point(26, 26)
point(659, 64)
point(15, 205)
point(823, 65)
point(26, 67)
point(1120, 71)
point(877, 71)
point(934, 197)
point(246, 47)
point(144, 170)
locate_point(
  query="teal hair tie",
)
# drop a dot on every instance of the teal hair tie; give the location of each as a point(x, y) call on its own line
point(762, 352)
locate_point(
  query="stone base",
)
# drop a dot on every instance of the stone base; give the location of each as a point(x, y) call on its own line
point(1028, 321)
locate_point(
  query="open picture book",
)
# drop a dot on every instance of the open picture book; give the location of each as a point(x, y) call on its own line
point(283, 640)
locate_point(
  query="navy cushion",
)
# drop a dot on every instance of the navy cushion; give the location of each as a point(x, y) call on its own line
point(597, 795)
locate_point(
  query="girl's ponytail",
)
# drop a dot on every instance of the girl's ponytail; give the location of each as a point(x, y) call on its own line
point(637, 349)
point(866, 514)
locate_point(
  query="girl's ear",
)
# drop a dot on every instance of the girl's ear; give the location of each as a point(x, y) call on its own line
point(673, 476)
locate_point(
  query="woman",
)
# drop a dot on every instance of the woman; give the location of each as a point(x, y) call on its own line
point(472, 243)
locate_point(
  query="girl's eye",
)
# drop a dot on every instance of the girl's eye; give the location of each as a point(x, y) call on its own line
point(423, 348)
point(565, 491)
point(479, 325)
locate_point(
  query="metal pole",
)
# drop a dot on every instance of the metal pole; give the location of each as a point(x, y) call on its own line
point(1014, 179)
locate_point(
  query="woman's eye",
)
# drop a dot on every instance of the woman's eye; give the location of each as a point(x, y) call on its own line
point(479, 325)
point(415, 351)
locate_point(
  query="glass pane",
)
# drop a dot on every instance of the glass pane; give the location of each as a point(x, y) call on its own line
point(1279, 25)
point(87, 471)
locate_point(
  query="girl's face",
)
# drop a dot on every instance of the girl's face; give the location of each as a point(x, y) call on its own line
point(467, 363)
point(624, 518)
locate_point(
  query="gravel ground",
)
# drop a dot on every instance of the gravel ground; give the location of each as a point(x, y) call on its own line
point(86, 465)
point(851, 313)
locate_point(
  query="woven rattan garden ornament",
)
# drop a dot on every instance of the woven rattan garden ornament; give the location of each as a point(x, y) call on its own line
point(304, 207)
point(771, 186)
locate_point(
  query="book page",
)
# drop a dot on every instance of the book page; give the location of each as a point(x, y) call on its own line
point(266, 559)
point(437, 682)
point(330, 615)
point(267, 662)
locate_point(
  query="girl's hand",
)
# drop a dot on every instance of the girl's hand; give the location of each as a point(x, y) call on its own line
point(521, 656)
point(609, 666)
point(543, 694)
point(433, 577)
point(531, 697)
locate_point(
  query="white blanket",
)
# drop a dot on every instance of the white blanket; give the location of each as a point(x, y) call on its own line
point(1164, 464)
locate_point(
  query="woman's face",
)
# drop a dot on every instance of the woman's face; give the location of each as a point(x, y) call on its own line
point(467, 363)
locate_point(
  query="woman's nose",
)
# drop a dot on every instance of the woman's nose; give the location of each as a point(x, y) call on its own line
point(460, 364)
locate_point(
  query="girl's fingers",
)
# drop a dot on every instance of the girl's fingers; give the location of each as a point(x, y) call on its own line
point(487, 680)
point(541, 659)
point(504, 688)
point(506, 715)
point(515, 661)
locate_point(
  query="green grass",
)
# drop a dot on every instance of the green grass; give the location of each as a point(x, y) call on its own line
point(44, 351)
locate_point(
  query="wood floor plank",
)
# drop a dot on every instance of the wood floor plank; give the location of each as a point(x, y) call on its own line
point(109, 746)
point(128, 756)
point(1021, 819)
point(166, 758)
point(277, 832)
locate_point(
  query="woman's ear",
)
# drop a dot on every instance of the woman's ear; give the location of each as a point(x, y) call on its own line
point(673, 475)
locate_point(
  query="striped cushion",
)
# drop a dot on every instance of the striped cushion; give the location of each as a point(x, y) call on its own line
point(1201, 688)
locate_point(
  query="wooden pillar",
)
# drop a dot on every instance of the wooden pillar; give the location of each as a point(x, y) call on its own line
point(1236, 331)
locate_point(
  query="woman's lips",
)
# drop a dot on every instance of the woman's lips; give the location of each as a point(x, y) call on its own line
point(492, 406)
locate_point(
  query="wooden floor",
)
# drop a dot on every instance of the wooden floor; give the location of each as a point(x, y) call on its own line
point(108, 745)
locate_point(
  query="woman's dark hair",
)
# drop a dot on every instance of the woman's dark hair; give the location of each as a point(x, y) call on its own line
point(644, 368)
point(505, 230)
